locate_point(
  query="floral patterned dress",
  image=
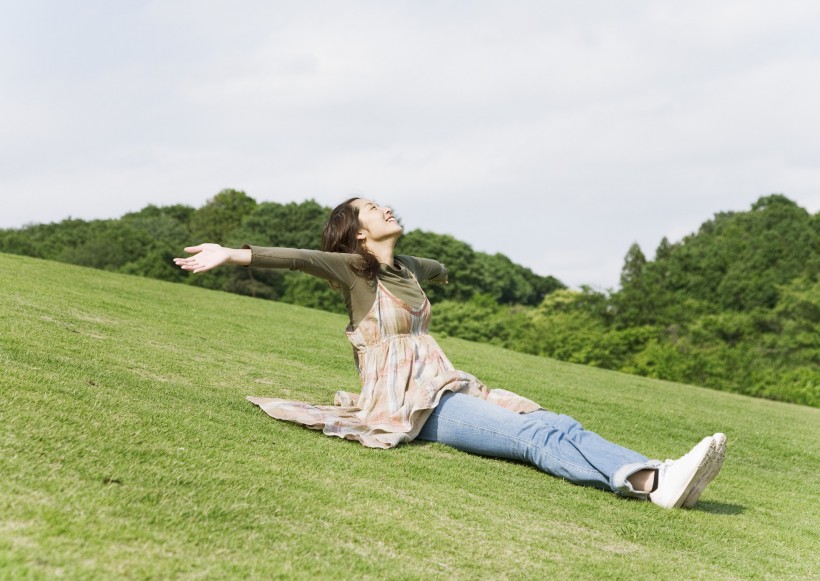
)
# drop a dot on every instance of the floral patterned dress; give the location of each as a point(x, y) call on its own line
point(403, 374)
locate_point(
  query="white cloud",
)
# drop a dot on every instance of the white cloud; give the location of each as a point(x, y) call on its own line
point(556, 133)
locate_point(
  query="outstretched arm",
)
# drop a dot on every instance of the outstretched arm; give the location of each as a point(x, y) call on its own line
point(331, 266)
point(208, 256)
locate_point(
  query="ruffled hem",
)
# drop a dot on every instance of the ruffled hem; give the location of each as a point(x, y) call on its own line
point(376, 429)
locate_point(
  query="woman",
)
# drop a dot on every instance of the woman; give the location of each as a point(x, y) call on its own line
point(410, 390)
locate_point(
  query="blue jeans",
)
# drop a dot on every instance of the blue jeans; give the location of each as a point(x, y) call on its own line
point(556, 444)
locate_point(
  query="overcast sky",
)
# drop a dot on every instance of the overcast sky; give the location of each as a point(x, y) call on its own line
point(557, 133)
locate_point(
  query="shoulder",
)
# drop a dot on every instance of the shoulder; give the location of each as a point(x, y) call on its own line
point(411, 263)
point(424, 268)
point(415, 261)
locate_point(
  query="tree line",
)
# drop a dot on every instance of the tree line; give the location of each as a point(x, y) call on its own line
point(145, 242)
point(734, 306)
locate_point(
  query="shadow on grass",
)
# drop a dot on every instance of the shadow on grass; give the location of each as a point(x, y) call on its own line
point(719, 507)
point(704, 506)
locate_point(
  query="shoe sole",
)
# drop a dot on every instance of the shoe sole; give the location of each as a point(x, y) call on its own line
point(714, 468)
point(705, 462)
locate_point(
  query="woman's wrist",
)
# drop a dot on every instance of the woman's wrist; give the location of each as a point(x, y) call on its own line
point(240, 256)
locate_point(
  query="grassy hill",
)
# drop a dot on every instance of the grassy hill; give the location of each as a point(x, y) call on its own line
point(127, 450)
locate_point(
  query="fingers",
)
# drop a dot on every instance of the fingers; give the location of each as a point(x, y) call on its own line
point(184, 263)
point(204, 258)
point(191, 264)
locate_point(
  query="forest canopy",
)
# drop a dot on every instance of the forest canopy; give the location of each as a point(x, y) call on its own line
point(734, 306)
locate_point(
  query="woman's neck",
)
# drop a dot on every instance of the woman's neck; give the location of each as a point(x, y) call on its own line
point(383, 251)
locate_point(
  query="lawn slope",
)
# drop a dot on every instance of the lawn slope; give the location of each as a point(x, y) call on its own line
point(127, 450)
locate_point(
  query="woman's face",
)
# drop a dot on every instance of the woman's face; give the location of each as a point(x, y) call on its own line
point(376, 222)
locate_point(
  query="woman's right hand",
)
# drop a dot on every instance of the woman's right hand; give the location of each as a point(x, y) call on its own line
point(205, 257)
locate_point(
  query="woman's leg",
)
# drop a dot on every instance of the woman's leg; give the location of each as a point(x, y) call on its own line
point(555, 443)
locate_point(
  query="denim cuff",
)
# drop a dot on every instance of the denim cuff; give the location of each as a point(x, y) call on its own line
point(619, 483)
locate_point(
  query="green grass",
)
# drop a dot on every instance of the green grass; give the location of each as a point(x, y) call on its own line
point(127, 450)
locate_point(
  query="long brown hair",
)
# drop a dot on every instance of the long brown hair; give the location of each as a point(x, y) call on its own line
point(339, 235)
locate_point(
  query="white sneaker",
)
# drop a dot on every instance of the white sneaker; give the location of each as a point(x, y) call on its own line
point(711, 472)
point(676, 478)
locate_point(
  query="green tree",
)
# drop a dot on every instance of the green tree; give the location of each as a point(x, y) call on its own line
point(308, 291)
point(632, 301)
point(106, 244)
point(220, 216)
point(472, 273)
point(292, 225)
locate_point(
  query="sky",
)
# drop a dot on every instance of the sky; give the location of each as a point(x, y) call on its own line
point(556, 133)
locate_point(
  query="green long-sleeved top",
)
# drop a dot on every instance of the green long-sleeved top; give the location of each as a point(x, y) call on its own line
point(359, 293)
